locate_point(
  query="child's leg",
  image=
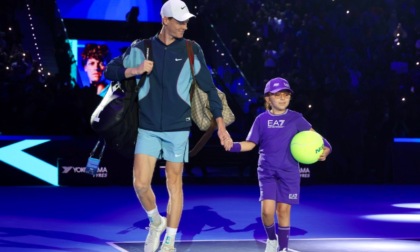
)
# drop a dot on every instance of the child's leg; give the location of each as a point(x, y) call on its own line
point(268, 195)
point(283, 215)
point(267, 216)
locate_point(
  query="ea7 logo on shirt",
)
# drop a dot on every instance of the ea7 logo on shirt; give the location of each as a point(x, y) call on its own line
point(275, 123)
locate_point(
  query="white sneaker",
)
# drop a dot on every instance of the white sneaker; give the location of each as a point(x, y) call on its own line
point(153, 237)
point(271, 246)
point(166, 248)
point(284, 250)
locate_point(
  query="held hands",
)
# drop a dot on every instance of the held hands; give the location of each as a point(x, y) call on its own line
point(225, 138)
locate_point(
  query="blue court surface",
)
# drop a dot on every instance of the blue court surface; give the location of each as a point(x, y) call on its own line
point(222, 218)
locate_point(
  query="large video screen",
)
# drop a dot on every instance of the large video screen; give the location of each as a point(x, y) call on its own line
point(114, 10)
point(91, 56)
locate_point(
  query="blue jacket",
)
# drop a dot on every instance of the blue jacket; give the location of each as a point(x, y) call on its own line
point(164, 99)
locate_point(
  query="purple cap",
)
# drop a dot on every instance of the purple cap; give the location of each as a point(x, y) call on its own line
point(277, 84)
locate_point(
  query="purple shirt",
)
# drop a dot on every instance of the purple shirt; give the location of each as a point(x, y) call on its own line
point(273, 134)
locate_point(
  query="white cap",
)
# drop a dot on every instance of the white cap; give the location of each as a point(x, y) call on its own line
point(176, 9)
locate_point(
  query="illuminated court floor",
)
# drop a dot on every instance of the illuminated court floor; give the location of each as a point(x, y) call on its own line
point(221, 218)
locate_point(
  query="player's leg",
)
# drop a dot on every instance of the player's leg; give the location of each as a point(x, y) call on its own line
point(175, 152)
point(143, 173)
point(175, 201)
point(147, 151)
point(176, 196)
point(144, 166)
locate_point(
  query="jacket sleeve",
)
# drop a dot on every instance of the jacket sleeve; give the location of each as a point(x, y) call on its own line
point(132, 57)
point(205, 81)
point(115, 70)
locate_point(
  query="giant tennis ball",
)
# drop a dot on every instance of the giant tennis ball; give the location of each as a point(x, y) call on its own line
point(307, 146)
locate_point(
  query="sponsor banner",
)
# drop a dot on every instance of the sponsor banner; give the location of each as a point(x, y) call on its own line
point(112, 169)
point(313, 173)
point(59, 160)
point(73, 172)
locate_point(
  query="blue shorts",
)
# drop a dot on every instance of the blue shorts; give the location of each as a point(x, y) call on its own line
point(171, 146)
point(280, 186)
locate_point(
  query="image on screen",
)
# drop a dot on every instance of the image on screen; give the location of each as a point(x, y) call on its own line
point(91, 57)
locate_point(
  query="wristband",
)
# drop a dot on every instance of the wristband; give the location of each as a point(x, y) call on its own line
point(236, 147)
point(327, 144)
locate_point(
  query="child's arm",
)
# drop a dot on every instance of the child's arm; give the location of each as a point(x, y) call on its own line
point(327, 150)
point(242, 146)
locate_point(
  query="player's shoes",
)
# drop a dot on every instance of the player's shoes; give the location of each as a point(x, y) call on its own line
point(283, 250)
point(271, 246)
point(153, 237)
point(166, 248)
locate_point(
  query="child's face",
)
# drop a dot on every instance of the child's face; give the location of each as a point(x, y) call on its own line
point(278, 101)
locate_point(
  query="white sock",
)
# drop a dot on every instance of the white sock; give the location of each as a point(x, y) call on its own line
point(154, 216)
point(170, 235)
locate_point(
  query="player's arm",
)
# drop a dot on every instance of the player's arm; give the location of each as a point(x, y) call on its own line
point(242, 146)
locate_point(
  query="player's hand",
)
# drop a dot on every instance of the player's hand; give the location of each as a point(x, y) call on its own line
point(145, 67)
point(225, 139)
point(223, 134)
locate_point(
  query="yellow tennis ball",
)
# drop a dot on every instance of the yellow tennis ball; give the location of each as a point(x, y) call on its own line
point(306, 146)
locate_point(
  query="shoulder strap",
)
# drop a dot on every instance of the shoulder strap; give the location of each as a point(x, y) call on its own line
point(190, 55)
point(190, 52)
point(148, 47)
point(148, 54)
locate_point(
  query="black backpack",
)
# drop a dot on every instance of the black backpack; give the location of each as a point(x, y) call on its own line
point(116, 117)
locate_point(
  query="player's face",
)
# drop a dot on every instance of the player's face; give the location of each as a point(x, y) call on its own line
point(279, 101)
point(94, 69)
point(176, 28)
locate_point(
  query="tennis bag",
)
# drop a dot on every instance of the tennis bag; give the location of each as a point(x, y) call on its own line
point(116, 119)
point(200, 105)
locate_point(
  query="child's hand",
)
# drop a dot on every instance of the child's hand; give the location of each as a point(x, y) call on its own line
point(324, 154)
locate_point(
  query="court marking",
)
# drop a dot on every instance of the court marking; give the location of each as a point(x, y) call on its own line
point(117, 247)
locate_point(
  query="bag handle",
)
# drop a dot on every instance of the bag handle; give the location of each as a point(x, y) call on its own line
point(148, 47)
point(209, 132)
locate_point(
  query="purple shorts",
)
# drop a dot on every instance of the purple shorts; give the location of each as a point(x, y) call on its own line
point(282, 185)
